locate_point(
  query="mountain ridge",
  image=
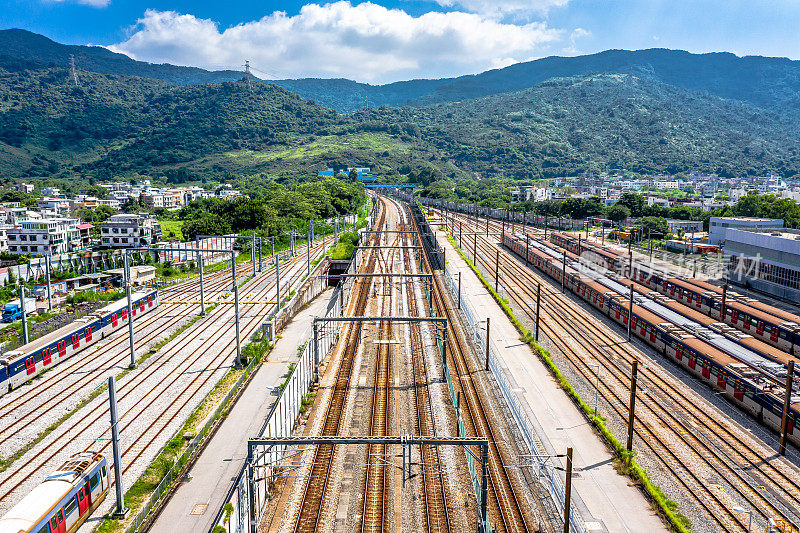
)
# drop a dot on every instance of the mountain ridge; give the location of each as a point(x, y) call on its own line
point(768, 82)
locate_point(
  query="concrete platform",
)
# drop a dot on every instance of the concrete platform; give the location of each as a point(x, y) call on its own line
point(605, 499)
point(196, 502)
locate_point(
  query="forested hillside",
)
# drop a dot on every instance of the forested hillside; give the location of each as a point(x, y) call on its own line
point(117, 126)
point(603, 122)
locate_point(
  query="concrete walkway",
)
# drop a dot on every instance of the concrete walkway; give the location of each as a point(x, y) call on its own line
point(196, 502)
point(605, 499)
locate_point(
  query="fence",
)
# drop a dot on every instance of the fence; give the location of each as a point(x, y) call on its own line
point(163, 487)
point(545, 472)
point(280, 422)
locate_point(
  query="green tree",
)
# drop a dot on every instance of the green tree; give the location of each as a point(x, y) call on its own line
point(618, 212)
point(634, 202)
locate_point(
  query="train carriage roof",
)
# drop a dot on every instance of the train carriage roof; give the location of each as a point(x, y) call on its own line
point(701, 347)
point(119, 304)
point(35, 506)
point(56, 335)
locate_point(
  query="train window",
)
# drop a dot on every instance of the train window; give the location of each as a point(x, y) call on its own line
point(93, 481)
point(54, 523)
point(70, 506)
point(43, 529)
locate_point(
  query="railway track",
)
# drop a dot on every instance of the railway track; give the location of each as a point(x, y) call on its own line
point(314, 493)
point(146, 388)
point(31, 402)
point(666, 409)
point(434, 492)
point(503, 503)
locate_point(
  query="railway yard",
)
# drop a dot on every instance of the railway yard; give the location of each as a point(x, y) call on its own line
point(373, 444)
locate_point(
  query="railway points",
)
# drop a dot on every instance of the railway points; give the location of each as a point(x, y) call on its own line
point(734, 442)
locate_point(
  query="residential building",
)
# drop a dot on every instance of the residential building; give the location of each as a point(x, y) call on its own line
point(766, 260)
point(128, 231)
point(25, 187)
point(718, 227)
point(51, 191)
point(43, 236)
point(228, 194)
point(111, 202)
point(61, 206)
point(85, 235)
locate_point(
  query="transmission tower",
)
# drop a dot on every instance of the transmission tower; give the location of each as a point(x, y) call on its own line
point(247, 75)
point(366, 104)
point(73, 75)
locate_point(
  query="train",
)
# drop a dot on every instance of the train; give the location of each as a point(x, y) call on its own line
point(743, 385)
point(773, 326)
point(63, 500)
point(23, 364)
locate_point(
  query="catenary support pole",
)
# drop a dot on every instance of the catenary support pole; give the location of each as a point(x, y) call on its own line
point(722, 310)
point(202, 292)
point(568, 491)
point(308, 254)
point(632, 407)
point(459, 289)
point(527, 249)
point(24, 312)
point(487, 342)
point(538, 305)
point(127, 271)
point(277, 283)
point(49, 288)
point(120, 511)
point(786, 402)
point(630, 313)
point(497, 272)
point(484, 485)
point(238, 363)
point(253, 252)
point(564, 271)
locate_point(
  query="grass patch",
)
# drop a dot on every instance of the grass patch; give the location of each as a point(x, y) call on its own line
point(330, 144)
point(627, 464)
point(172, 229)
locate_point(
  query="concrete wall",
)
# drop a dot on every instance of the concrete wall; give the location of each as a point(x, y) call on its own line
point(718, 226)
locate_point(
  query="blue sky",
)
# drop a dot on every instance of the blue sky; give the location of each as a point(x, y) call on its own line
point(382, 41)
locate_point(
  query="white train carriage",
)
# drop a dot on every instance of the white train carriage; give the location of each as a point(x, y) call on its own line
point(28, 361)
point(64, 500)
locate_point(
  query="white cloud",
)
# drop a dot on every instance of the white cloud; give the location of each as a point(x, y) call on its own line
point(365, 42)
point(500, 8)
point(92, 3)
point(577, 33)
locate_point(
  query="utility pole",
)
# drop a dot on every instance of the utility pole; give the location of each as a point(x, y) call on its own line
point(631, 409)
point(277, 282)
point(497, 272)
point(120, 512)
point(238, 363)
point(73, 74)
point(722, 310)
point(459, 289)
point(126, 269)
point(787, 400)
point(487, 343)
point(538, 301)
point(49, 290)
point(22, 308)
point(630, 313)
point(568, 491)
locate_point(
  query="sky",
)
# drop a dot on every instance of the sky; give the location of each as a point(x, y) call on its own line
point(381, 41)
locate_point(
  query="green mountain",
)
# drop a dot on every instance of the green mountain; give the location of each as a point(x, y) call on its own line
point(24, 49)
point(609, 121)
point(117, 126)
point(772, 83)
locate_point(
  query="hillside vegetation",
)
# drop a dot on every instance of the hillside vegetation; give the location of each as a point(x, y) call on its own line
point(120, 126)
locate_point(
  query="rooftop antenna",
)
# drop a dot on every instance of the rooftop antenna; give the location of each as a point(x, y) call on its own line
point(73, 75)
point(247, 74)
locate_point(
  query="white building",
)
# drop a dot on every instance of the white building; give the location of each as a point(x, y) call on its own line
point(51, 191)
point(61, 206)
point(766, 260)
point(718, 226)
point(25, 187)
point(129, 231)
point(47, 235)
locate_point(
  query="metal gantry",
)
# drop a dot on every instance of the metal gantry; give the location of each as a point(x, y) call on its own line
point(258, 447)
